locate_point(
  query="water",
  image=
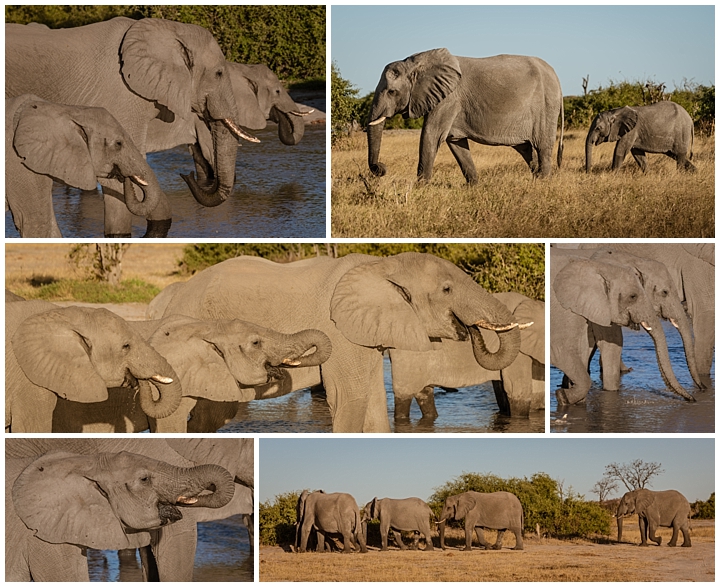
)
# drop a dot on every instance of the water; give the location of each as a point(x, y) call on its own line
point(279, 192)
point(471, 409)
point(643, 403)
point(223, 554)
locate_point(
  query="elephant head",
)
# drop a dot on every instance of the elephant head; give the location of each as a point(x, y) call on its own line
point(608, 127)
point(633, 502)
point(405, 300)
point(371, 512)
point(181, 68)
point(608, 294)
point(456, 508)
point(80, 146)
point(111, 500)
point(77, 353)
point(412, 87)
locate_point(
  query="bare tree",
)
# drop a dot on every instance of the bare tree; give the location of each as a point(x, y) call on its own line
point(585, 82)
point(109, 262)
point(604, 488)
point(635, 475)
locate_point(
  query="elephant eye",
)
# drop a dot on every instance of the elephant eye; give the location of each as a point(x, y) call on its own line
point(632, 297)
point(219, 73)
point(392, 92)
point(126, 346)
point(447, 289)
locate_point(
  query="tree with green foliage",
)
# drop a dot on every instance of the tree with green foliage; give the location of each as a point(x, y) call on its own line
point(704, 510)
point(343, 104)
point(277, 519)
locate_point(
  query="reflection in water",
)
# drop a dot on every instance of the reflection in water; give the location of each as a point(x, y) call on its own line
point(223, 554)
point(643, 403)
point(471, 409)
point(279, 192)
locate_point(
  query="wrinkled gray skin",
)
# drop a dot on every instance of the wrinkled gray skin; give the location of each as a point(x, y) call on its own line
point(78, 354)
point(363, 304)
point(510, 100)
point(329, 513)
point(411, 514)
point(11, 297)
point(666, 509)
point(66, 495)
point(499, 511)
point(692, 268)
point(587, 298)
point(664, 127)
point(139, 71)
point(519, 387)
point(75, 145)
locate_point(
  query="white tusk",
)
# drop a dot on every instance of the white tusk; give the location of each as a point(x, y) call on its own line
point(186, 500)
point(378, 121)
point(238, 132)
point(674, 323)
point(303, 113)
point(138, 180)
point(525, 325)
point(291, 362)
point(646, 327)
point(496, 327)
point(161, 379)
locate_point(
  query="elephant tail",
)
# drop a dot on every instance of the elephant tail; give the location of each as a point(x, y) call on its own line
point(562, 132)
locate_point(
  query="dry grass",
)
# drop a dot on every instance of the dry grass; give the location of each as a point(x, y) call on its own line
point(507, 202)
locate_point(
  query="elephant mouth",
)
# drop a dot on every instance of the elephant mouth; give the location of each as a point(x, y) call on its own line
point(168, 513)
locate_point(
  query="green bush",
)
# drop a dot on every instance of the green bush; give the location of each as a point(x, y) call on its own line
point(704, 510)
point(277, 519)
point(343, 105)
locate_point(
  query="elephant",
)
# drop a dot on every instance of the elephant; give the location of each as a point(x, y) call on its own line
point(519, 387)
point(510, 100)
point(667, 509)
point(77, 354)
point(76, 145)
point(12, 297)
point(411, 514)
point(139, 70)
point(63, 496)
point(664, 127)
point(499, 510)
point(588, 298)
point(364, 304)
point(328, 513)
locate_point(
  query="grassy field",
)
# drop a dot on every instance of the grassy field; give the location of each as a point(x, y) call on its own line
point(508, 202)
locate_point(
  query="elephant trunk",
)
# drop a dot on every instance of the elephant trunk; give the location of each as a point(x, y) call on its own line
point(154, 206)
point(185, 487)
point(146, 366)
point(374, 137)
point(292, 348)
point(441, 530)
point(291, 125)
point(619, 527)
point(680, 321)
point(588, 152)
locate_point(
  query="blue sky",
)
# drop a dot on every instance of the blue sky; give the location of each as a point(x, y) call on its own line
point(662, 43)
point(406, 467)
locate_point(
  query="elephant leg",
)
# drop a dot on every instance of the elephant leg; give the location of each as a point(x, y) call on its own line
point(305, 535)
point(624, 368)
point(640, 158)
point(321, 542)
point(402, 407)
point(469, 529)
point(518, 538)
point(118, 220)
point(609, 340)
point(499, 541)
point(34, 217)
point(178, 420)
point(685, 528)
point(461, 151)
point(651, 528)
point(518, 384)
point(537, 399)
point(642, 523)
point(683, 163)
point(426, 401)
point(174, 549)
point(703, 325)
point(621, 150)
point(545, 158)
point(674, 537)
point(348, 541)
point(481, 537)
point(149, 567)
point(431, 138)
point(501, 398)
point(210, 416)
point(57, 562)
point(398, 539)
point(572, 357)
point(529, 155)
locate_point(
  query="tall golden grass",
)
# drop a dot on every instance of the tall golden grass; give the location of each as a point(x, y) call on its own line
point(508, 202)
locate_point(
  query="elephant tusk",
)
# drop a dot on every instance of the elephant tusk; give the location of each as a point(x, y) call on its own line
point(238, 132)
point(186, 500)
point(525, 325)
point(378, 121)
point(139, 180)
point(291, 362)
point(496, 327)
point(161, 379)
point(674, 323)
point(646, 326)
point(296, 113)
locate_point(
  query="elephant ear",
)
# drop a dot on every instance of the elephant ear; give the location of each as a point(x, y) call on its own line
point(57, 498)
point(532, 339)
point(582, 289)
point(157, 64)
point(53, 353)
point(643, 500)
point(704, 251)
point(51, 143)
point(370, 309)
point(434, 75)
point(245, 92)
point(464, 505)
point(623, 121)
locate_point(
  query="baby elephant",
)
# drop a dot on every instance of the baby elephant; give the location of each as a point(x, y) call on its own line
point(664, 127)
point(410, 515)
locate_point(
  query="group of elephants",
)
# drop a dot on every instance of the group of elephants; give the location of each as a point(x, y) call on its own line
point(85, 104)
point(327, 515)
point(514, 101)
point(597, 289)
point(220, 339)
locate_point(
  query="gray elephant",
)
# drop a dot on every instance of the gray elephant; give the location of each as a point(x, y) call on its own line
point(664, 127)
point(66, 495)
point(76, 145)
point(139, 71)
point(77, 354)
point(519, 387)
point(411, 514)
point(666, 509)
point(587, 298)
point(499, 511)
point(363, 304)
point(335, 513)
point(12, 297)
point(509, 100)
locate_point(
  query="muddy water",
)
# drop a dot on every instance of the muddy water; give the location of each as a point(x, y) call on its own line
point(643, 403)
point(471, 409)
point(223, 554)
point(279, 192)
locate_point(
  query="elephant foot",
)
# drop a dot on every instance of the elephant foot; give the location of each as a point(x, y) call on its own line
point(568, 396)
point(686, 544)
point(496, 547)
point(119, 235)
point(467, 549)
point(384, 549)
point(430, 547)
point(672, 544)
point(644, 544)
point(519, 548)
point(657, 540)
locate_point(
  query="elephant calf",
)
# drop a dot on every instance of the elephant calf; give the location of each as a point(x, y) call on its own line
point(410, 515)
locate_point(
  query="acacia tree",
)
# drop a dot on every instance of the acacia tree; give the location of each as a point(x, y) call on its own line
point(637, 474)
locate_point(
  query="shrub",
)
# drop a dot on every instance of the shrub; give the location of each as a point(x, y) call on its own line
point(704, 510)
point(343, 105)
point(277, 519)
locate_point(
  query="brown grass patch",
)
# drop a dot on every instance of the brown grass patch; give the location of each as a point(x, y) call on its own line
point(507, 202)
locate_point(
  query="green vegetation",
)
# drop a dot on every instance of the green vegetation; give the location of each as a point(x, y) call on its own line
point(288, 39)
point(343, 104)
point(704, 510)
point(495, 266)
point(95, 292)
point(277, 519)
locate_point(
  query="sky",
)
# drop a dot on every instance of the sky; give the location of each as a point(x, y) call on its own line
point(662, 43)
point(415, 467)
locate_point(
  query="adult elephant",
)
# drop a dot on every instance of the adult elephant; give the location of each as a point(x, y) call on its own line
point(519, 387)
point(411, 514)
point(63, 496)
point(76, 145)
point(77, 354)
point(364, 304)
point(499, 511)
point(329, 513)
point(667, 509)
point(218, 363)
point(587, 298)
point(510, 100)
point(139, 71)
point(664, 127)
